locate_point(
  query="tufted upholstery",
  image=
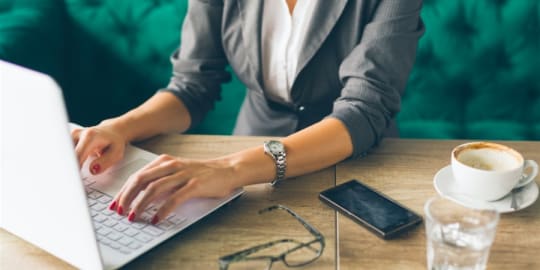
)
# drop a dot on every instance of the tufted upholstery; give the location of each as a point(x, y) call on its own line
point(108, 55)
point(476, 74)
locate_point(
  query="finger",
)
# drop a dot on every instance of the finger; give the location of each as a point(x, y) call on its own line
point(88, 145)
point(153, 191)
point(157, 161)
point(105, 160)
point(140, 181)
point(186, 192)
point(75, 134)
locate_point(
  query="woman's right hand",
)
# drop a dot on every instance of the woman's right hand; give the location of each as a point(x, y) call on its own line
point(102, 142)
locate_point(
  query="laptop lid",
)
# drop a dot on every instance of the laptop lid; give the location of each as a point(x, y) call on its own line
point(42, 197)
point(36, 162)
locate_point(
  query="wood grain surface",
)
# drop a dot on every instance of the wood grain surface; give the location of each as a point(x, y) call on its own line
point(404, 170)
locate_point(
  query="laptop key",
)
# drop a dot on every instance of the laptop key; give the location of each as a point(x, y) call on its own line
point(114, 245)
point(105, 241)
point(165, 225)
point(116, 216)
point(176, 220)
point(138, 225)
point(100, 218)
point(143, 237)
point(134, 245)
point(94, 195)
point(97, 226)
point(107, 212)
point(126, 241)
point(125, 250)
point(99, 207)
point(104, 231)
point(114, 236)
point(104, 199)
point(93, 212)
point(131, 232)
point(110, 222)
point(120, 227)
point(152, 230)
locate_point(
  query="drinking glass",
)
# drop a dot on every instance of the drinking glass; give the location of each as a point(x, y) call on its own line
point(458, 238)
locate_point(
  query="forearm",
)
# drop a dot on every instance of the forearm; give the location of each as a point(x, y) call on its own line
point(316, 147)
point(161, 113)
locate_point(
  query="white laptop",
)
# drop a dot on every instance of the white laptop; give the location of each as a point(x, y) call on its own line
point(46, 200)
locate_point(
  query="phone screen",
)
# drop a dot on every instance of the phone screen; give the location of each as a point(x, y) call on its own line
point(371, 208)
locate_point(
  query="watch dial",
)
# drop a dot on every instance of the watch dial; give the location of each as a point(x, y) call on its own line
point(276, 147)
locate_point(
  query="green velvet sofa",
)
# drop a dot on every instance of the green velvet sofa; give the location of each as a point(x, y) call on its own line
point(476, 75)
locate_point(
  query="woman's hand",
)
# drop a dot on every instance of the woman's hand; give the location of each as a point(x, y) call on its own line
point(103, 142)
point(175, 180)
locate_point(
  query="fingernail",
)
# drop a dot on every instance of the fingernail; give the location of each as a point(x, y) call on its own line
point(131, 216)
point(120, 210)
point(95, 169)
point(113, 205)
point(155, 220)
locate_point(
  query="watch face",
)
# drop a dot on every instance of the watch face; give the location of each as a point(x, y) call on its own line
point(275, 146)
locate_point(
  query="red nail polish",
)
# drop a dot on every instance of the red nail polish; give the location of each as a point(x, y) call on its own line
point(120, 210)
point(131, 216)
point(113, 205)
point(95, 169)
point(155, 220)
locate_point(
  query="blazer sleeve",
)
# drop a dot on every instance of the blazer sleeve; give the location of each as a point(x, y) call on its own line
point(375, 73)
point(199, 63)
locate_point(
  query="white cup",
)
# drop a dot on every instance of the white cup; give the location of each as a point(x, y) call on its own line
point(489, 171)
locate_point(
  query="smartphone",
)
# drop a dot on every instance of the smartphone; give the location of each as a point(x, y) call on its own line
point(377, 212)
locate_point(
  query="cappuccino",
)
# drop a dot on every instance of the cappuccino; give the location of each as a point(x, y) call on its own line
point(489, 159)
point(488, 171)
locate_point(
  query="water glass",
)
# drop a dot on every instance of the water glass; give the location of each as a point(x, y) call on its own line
point(458, 238)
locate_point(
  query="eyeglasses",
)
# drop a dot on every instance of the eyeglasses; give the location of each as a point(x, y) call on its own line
point(297, 253)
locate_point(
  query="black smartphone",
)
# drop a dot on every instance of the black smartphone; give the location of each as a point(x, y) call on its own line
point(377, 212)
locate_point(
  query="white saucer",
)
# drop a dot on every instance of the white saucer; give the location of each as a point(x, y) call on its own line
point(445, 186)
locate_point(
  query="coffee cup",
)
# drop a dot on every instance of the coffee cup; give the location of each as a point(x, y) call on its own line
point(489, 171)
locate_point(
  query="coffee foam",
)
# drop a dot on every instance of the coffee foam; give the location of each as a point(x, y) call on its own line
point(489, 159)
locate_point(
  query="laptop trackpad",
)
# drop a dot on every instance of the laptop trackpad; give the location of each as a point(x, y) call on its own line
point(113, 179)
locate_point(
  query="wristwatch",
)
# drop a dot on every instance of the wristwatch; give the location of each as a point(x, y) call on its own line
point(276, 150)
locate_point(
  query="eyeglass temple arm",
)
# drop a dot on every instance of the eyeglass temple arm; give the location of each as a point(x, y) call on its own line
point(243, 253)
point(306, 225)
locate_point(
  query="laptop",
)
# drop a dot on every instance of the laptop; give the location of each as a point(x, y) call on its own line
point(48, 201)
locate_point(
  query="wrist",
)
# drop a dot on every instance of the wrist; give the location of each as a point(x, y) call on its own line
point(251, 166)
point(120, 127)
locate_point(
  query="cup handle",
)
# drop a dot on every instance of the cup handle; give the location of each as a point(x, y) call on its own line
point(527, 178)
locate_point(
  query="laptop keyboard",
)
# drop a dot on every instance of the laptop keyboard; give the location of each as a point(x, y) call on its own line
point(120, 234)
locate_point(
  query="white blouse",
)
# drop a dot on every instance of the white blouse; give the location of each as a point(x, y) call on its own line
point(282, 36)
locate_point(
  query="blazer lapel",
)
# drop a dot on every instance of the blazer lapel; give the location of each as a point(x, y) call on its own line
point(326, 14)
point(251, 16)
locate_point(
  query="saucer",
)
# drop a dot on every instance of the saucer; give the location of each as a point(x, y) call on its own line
point(445, 186)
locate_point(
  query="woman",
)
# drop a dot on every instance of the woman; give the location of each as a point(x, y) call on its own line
point(326, 75)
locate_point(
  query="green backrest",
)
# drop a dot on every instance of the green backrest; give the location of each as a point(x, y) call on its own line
point(477, 72)
point(108, 55)
point(476, 75)
point(122, 48)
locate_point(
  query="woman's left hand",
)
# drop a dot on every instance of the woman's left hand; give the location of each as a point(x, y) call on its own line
point(176, 180)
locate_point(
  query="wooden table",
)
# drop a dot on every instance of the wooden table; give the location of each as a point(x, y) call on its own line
point(402, 169)
point(233, 228)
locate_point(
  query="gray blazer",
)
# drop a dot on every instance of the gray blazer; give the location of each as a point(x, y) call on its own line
point(354, 67)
